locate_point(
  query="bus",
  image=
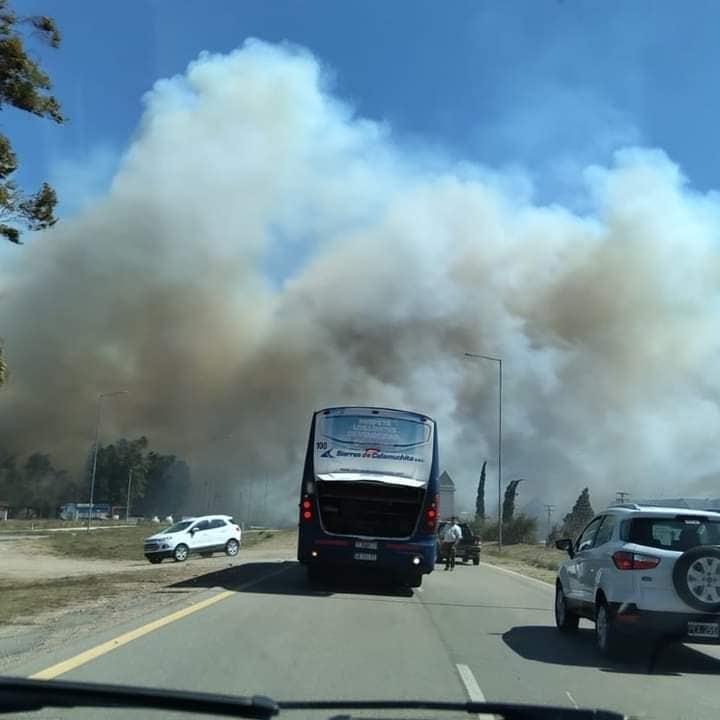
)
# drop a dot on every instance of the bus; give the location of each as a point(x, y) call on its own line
point(369, 494)
point(79, 511)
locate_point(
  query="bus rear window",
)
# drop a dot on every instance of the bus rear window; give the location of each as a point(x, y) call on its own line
point(385, 433)
point(381, 443)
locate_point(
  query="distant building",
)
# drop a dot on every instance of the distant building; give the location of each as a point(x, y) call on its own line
point(446, 493)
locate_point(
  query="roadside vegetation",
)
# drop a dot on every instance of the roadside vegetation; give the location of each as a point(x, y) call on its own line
point(533, 560)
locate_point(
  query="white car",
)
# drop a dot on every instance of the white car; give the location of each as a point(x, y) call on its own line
point(649, 571)
point(202, 536)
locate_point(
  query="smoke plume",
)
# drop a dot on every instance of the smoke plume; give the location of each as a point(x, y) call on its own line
point(263, 252)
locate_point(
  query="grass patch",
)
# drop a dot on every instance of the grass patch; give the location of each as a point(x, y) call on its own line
point(115, 544)
point(533, 560)
point(24, 599)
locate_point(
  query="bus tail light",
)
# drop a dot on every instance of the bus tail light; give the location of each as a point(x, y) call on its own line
point(306, 510)
point(431, 515)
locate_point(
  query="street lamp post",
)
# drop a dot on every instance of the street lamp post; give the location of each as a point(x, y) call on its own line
point(127, 505)
point(95, 450)
point(499, 460)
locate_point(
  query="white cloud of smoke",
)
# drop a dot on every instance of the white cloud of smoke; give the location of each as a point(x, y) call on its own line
point(607, 323)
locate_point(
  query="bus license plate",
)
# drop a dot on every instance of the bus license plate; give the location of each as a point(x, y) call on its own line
point(365, 545)
point(365, 556)
point(705, 630)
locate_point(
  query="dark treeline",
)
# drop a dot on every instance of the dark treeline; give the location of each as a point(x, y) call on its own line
point(34, 487)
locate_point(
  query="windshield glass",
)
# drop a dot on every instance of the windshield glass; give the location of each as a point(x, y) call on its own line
point(178, 527)
point(342, 270)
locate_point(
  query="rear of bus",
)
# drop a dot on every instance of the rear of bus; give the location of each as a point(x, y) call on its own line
point(369, 492)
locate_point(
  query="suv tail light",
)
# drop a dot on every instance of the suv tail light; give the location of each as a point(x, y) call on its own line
point(634, 561)
point(306, 510)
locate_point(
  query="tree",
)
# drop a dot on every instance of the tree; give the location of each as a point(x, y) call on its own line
point(480, 500)
point(35, 488)
point(509, 501)
point(160, 483)
point(25, 86)
point(168, 485)
point(581, 514)
point(115, 462)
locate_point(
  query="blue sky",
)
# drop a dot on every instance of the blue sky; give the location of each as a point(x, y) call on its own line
point(547, 85)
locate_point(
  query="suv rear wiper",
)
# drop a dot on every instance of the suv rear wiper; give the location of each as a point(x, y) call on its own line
point(508, 711)
point(20, 694)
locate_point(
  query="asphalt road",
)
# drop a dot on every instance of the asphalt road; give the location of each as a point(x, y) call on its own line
point(476, 631)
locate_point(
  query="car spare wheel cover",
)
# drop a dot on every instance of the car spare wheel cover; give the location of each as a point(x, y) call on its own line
point(697, 577)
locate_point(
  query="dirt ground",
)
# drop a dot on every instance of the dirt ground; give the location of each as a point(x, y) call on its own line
point(71, 598)
point(28, 559)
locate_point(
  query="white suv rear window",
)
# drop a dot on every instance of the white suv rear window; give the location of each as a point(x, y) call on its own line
point(679, 533)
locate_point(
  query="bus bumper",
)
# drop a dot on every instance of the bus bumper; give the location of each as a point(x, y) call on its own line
point(385, 555)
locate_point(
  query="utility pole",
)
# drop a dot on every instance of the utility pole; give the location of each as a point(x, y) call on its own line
point(265, 522)
point(100, 398)
point(249, 505)
point(621, 496)
point(549, 509)
point(127, 506)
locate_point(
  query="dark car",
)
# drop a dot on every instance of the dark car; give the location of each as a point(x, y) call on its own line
point(467, 549)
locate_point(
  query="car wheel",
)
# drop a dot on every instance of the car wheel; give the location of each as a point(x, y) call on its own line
point(609, 640)
point(565, 619)
point(476, 561)
point(696, 577)
point(181, 552)
point(155, 560)
point(232, 547)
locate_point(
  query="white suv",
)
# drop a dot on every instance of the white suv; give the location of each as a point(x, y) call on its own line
point(202, 535)
point(641, 569)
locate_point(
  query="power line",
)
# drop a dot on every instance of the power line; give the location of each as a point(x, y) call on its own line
point(621, 496)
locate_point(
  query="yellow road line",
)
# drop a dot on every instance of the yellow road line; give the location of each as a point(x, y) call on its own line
point(85, 657)
point(74, 662)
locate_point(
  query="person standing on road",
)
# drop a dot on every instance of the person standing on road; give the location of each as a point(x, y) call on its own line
point(451, 537)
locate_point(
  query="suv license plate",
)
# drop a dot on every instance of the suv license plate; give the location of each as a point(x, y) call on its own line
point(704, 630)
point(365, 556)
point(365, 545)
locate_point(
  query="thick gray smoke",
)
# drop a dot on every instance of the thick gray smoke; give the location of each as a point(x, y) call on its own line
point(263, 252)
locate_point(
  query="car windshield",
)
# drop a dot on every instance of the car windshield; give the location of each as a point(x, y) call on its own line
point(286, 286)
point(178, 527)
